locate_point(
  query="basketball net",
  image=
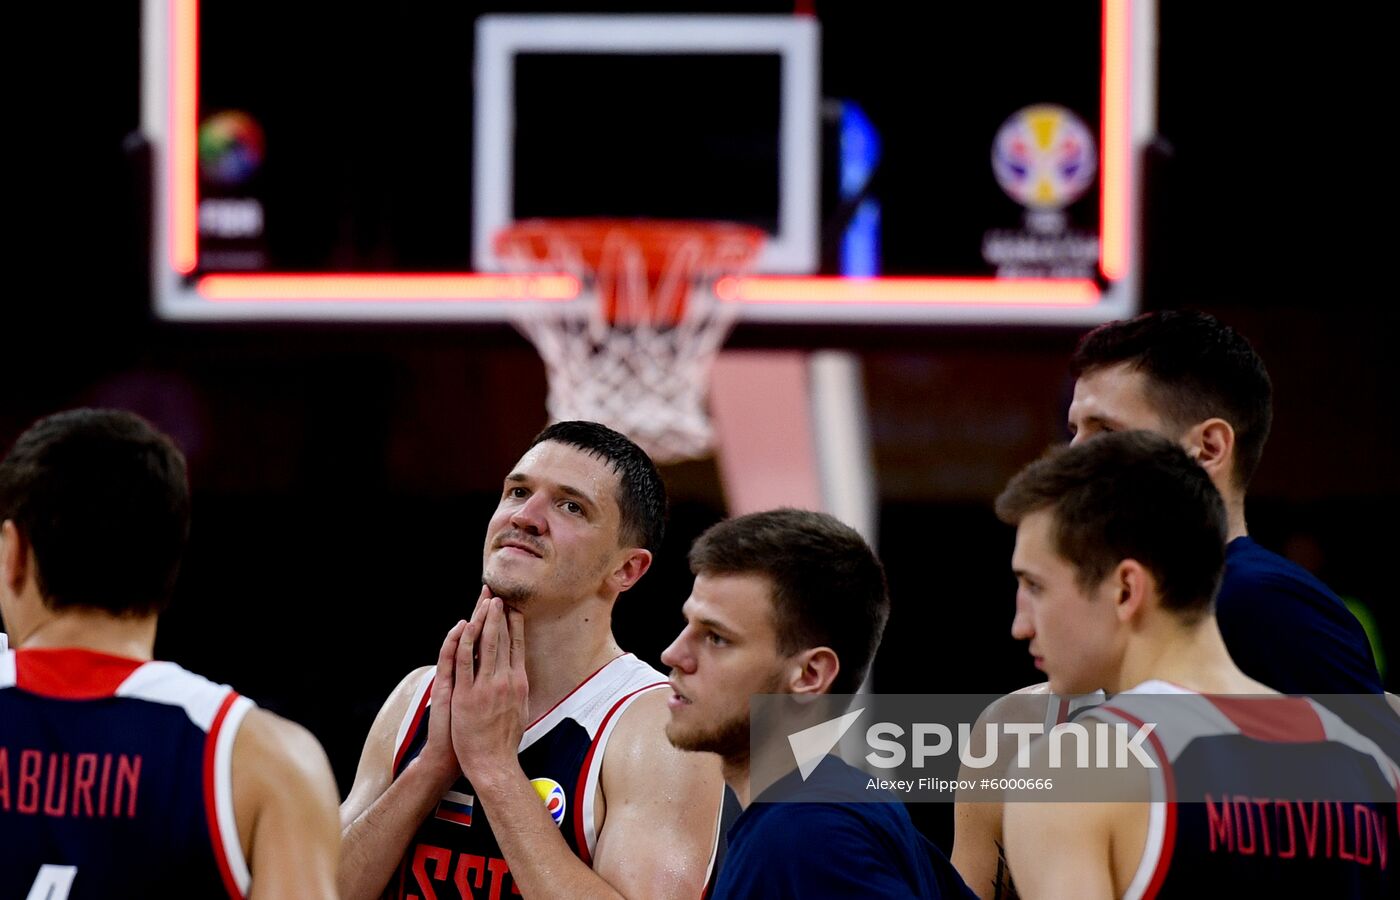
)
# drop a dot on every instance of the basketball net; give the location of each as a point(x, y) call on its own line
point(635, 351)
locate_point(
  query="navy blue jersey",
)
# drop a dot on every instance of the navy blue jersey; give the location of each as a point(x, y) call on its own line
point(822, 837)
point(454, 853)
point(115, 778)
point(1285, 628)
point(1285, 799)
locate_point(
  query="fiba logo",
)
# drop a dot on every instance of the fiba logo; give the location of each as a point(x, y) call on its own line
point(1044, 157)
point(231, 148)
point(552, 793)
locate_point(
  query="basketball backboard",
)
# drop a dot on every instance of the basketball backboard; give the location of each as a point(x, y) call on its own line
point(936, 165)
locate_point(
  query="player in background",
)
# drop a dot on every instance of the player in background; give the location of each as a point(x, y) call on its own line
point(1120, 548)
point(1187, 376)
point(121, 776)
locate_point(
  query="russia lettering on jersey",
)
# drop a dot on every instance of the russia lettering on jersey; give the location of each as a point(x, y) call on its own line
point(454, 853)
point(1276, 795)
point(115, 778)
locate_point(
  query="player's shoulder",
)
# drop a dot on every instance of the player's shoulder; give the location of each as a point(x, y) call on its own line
point(395, 712)
point(275, 733)
point(637, 749)
point(1027, 704)
point(1270, 599)
point(278, 764)
point(634, 692)
point(628, 674)
point(641, 726)
point(164, 682)
point(268, 742)
point(413, 680)
point(280, 775)
point(1255, 572)
point(414, 683)
point(412, 686)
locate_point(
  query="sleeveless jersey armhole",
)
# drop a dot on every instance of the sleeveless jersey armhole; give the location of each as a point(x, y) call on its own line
point(218, 795)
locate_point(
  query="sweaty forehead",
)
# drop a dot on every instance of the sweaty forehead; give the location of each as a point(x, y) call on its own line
point(569, 466)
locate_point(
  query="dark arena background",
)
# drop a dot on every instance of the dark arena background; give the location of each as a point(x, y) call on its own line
point(343, 473)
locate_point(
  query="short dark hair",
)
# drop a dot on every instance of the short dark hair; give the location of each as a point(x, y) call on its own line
point(641, 494)
point(828, 587)
point(103, 499)
point(1197, 368)
point(1129, 495)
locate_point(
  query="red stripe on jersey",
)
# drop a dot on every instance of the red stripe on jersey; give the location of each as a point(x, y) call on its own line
point(211, 810)
point(71, 673)
point(412, 729)
point(1164, 860)
point(539, 719)
point(579, 837)
point(1284, 720)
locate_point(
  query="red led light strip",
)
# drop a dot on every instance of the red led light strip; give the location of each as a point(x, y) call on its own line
point(441, 288)
point(910, 291)
point(1114, 210)
point(184, 113)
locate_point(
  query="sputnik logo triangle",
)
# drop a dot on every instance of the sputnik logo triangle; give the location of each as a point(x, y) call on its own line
point(811, 745)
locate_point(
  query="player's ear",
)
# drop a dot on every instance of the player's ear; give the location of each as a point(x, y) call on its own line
point(14, 556)
point(1212, 444)
point(813, 670)
point(1132, 585)
point(630, 569)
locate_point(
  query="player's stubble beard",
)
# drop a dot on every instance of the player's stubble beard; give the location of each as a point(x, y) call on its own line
point(729, 739)
point(514, 595)
point(518, 593)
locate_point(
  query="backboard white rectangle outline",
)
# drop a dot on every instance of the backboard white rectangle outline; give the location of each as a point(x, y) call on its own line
point(500, 39)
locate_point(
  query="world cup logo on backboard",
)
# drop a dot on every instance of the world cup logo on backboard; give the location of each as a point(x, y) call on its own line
point(1044, 157)
point(552, 794)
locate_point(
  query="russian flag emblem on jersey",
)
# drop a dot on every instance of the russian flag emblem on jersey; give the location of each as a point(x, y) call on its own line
point(455, 807)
